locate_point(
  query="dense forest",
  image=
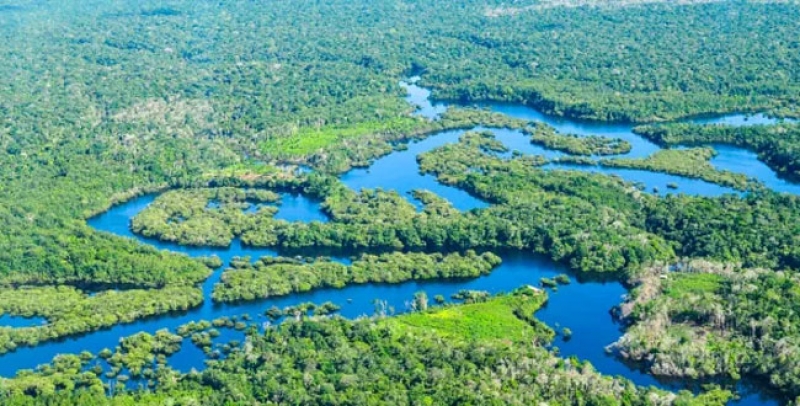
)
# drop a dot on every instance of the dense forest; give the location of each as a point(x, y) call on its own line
point(104, 101)
point(89, 118)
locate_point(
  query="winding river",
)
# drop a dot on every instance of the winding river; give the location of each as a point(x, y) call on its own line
point(582, 306)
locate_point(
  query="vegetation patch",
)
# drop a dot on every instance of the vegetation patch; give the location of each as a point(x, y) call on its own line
point(280, 276)
point(310, 140)
point(503, 318)
point(69, 311)
point(776, 145)
point(546, 136)
point(715, 320)
point(691, 163)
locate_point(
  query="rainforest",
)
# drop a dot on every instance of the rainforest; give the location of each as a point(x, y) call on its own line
point(586, 202)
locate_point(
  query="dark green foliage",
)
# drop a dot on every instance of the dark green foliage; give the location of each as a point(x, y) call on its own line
point(759, 230)
point(576, 145)
point(644, 63)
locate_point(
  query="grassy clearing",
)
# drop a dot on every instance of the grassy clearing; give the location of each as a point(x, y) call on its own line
point(309, 140)
point(683, 284)
point(507, 318)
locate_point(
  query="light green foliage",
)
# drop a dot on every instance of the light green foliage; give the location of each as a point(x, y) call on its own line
point(689, 284)
point(776, 145)
point(63, 374)
point(138, 353)
point(692, 163)
point(505, 318)
point(311, 140)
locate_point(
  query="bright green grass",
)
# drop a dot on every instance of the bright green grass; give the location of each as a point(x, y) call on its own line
point(681, 284)
point(309, 140)
point(491, 320)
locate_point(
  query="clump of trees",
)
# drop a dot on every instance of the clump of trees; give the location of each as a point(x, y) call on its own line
point(69, 311)
point(267, 278)
point(546, 136)
point(203, 216)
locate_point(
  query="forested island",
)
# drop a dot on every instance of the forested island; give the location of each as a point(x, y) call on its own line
point(198, 200)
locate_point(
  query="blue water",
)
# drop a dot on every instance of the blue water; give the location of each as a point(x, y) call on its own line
point(654, 182)
point(7, 320)
point(296, 207)
point(729, 158)
point(291, 207)
point(399, 171)
point(743, 161)
point(583, 307)
point(739, 120)
point(420, 98)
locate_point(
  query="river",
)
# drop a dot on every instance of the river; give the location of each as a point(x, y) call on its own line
point(582, 306)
